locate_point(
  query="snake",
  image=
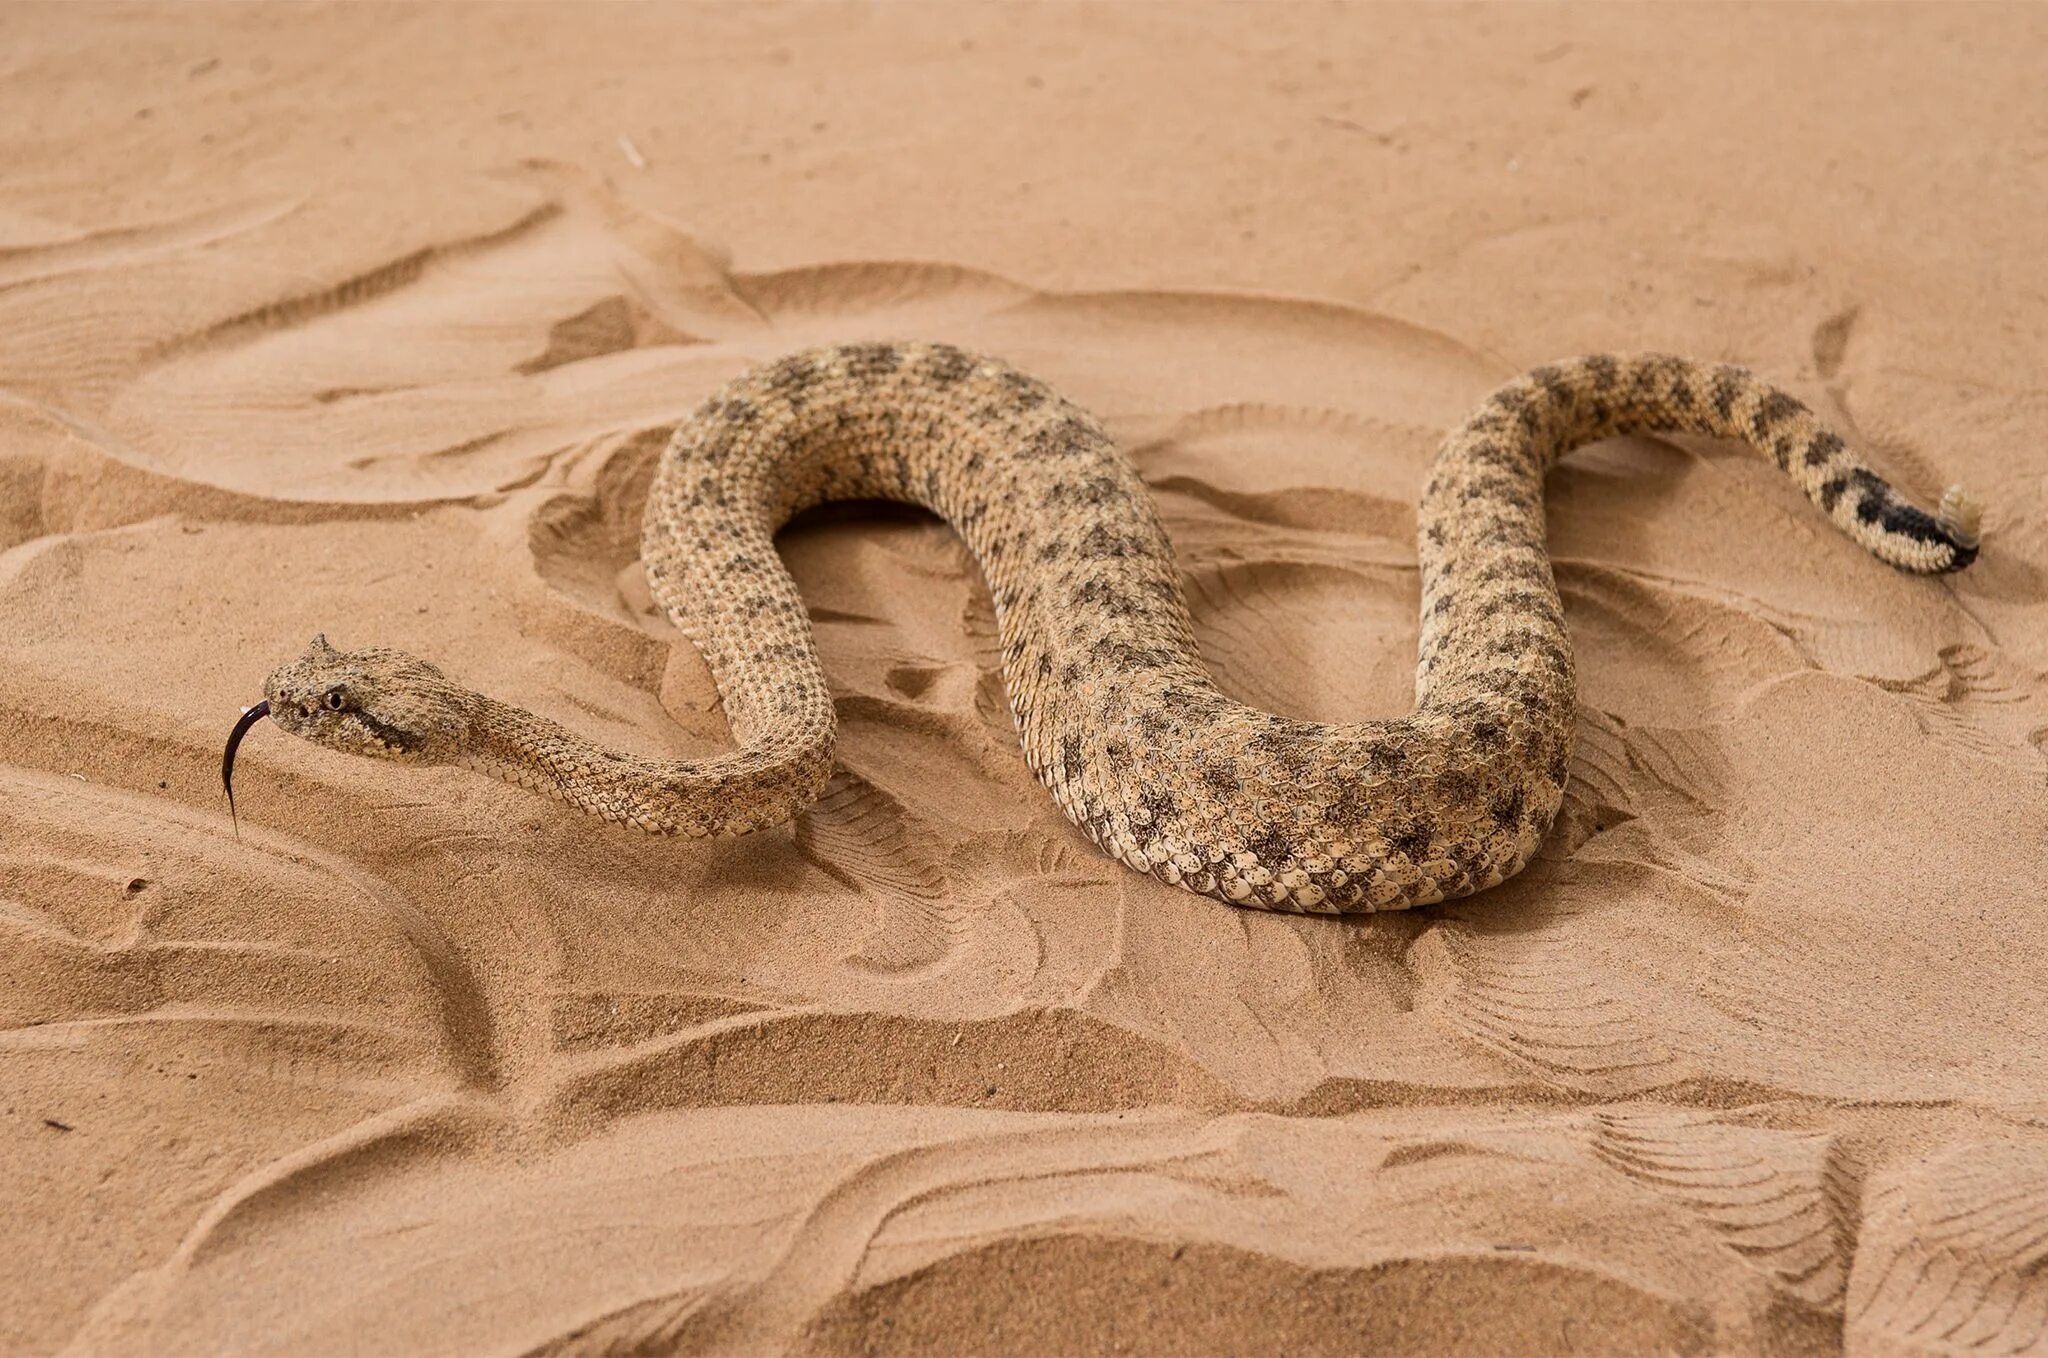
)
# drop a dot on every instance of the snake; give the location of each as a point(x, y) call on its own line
point(1116, 713)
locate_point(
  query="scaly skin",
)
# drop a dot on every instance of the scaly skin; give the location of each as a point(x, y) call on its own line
point(1117, 715)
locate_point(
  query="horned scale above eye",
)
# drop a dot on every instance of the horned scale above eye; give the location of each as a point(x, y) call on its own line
point(1118, 717)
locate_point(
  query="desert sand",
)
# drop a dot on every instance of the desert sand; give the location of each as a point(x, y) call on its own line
point(371, 321)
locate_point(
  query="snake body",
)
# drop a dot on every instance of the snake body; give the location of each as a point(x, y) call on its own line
point(1117, 715)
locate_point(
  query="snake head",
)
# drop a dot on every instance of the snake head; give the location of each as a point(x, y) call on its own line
point(385, 704)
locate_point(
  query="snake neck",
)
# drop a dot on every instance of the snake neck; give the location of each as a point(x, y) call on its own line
point(751, 788)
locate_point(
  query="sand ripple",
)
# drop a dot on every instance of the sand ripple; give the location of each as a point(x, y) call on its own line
point(1754, 1057)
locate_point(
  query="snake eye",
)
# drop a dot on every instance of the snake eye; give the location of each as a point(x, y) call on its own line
point(334, 700)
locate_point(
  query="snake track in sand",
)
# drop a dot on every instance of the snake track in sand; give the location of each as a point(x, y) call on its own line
point(1118, 717)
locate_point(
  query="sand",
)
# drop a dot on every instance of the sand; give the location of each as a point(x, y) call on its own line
point(371, 321)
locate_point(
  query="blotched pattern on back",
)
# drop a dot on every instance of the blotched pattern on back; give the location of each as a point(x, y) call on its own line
point(1117, 715)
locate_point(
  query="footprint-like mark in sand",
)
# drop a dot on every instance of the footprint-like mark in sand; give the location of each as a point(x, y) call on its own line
point(1831, 341)
point(1765, 1192)
point(1972, 698)
point(583, 546)
point(1518, 986)
point(864, 839)
point(1597, 797)
point(1954, 1251)
point(175, 954)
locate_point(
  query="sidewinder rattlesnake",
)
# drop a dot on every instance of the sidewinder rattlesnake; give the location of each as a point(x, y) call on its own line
point(1118, 717)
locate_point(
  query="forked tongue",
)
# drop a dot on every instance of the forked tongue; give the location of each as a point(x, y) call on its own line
point(250, 716)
